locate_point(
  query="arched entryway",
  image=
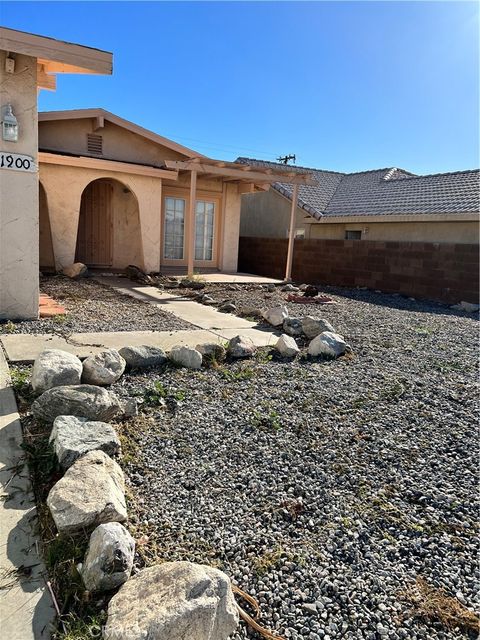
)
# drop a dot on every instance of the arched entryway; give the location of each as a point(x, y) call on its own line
point(108, 226)
point(46, 255)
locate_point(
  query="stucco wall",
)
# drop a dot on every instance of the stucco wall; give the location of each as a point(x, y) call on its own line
point(47, 259)
point(64, 186)
point(267, 215)
point(462, 232)
point(19, 196)
point(118, 143)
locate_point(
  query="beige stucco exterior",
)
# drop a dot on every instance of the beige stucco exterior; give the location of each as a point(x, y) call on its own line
point(19, 196)
point(267, 215)
point(138, 200)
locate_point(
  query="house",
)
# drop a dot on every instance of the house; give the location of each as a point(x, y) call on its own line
point(86, 185)
point(114, 194)
point(28, 63)
point(384, 205)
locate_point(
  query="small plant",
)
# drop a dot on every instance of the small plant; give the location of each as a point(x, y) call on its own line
point(263, 356)
point(20, 377)
point(10, 327)
point(155, 395)
point(61, 318)
point(270, 420)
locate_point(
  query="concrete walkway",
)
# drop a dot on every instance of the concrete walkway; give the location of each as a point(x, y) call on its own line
point(26, 609)
point(209, 325)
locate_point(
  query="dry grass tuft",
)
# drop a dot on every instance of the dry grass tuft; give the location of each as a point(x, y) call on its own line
point(432, 604)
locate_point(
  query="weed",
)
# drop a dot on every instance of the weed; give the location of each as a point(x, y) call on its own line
point(270, 420)
point(61, 318)
point(10, 327)
point(263, 356)
point(268, 561)
point(245, 373)
point(155, 395)
point(433, 604)
point(394, 392)
point(20, 377)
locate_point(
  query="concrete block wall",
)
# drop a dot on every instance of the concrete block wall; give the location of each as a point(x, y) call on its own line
point(438, 271)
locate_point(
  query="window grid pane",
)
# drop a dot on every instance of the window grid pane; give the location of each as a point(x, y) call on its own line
point(204, 217)
point(174, 228)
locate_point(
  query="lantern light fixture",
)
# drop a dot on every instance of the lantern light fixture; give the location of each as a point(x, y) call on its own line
point(9, 124)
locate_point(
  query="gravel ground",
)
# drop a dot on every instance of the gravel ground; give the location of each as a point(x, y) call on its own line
point(323, 488)
point(92, 306)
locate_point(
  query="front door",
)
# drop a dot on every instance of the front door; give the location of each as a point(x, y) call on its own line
point(94, 238)
point(174, 240)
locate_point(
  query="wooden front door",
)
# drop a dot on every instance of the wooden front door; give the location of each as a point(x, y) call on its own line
point(94, 239)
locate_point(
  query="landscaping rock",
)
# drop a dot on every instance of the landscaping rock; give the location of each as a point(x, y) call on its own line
point(190, 283)
point(287, 346)
point(251, 312)
point(138, 275)
point(313, 327)
point(270, 287)
point(186, 357)
point(276, 315)
point(327, 344)
point(293, 326)
point(173, 601)
point(103, 368)
point(75, 270)
point(90, 493)
point(130, 407)
point(54, 368)
point(109, 559)
point(73, 437)
point(469, 307)
point(143, 357)
point(212, 351)
point(208, 300)
point(83, 401)
point(289, 287)
point(171, 284)
point(227, 307)
point(241, 347)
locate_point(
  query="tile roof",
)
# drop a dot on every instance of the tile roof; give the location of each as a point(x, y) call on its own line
point(389, 191)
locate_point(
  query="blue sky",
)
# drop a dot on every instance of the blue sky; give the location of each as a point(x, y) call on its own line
point(346, 86)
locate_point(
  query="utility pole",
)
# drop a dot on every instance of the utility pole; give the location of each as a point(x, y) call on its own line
point(286, 159)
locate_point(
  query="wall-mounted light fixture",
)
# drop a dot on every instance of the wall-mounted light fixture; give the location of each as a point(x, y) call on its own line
point(9, 124)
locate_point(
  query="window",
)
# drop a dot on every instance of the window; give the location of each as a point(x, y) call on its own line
point(94, 144)
point(174, 228)
point(204, 224)
point(353, 235)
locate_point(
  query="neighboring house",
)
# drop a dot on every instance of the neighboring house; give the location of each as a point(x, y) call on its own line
point(383, 204)
point(114, 194)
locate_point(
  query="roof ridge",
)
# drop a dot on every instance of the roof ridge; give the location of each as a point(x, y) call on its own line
point(292, 166)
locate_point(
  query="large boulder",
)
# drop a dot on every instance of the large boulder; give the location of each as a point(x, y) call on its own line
point(90, 493)
point(287, 347)
point(103, 368)
point(313, 327)
point(109, 559)
point(276, 315)
point(82, 400)
point(73, 437)
point(75, 271)
point(143, 357)
point(173, 601)
point(54, 368)
point(186, 357)
point(211, 352)
point(327, 344)
point(293, 326)
point(241, 347)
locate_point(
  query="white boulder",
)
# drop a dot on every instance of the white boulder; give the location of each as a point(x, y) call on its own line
point(90, 493)
point(327, 344)
point(109, 559)
point(103, 368)
point(287, 346)
point(186, 357)
point(54, 368)
point(82, 400)
point(173, 601)
point(73, 437)
point(313, 327)
point(241, 347)
point(276, 315)
point(469, 307)
point(75, 270)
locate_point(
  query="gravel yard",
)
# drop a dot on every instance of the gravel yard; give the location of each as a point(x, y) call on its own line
point(325, 489)
point(92, 306)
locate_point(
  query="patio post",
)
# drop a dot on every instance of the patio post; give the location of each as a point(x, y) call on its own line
point(291, 234)
point(191, 222)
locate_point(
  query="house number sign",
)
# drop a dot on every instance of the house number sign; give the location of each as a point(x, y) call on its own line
point(17, 162)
